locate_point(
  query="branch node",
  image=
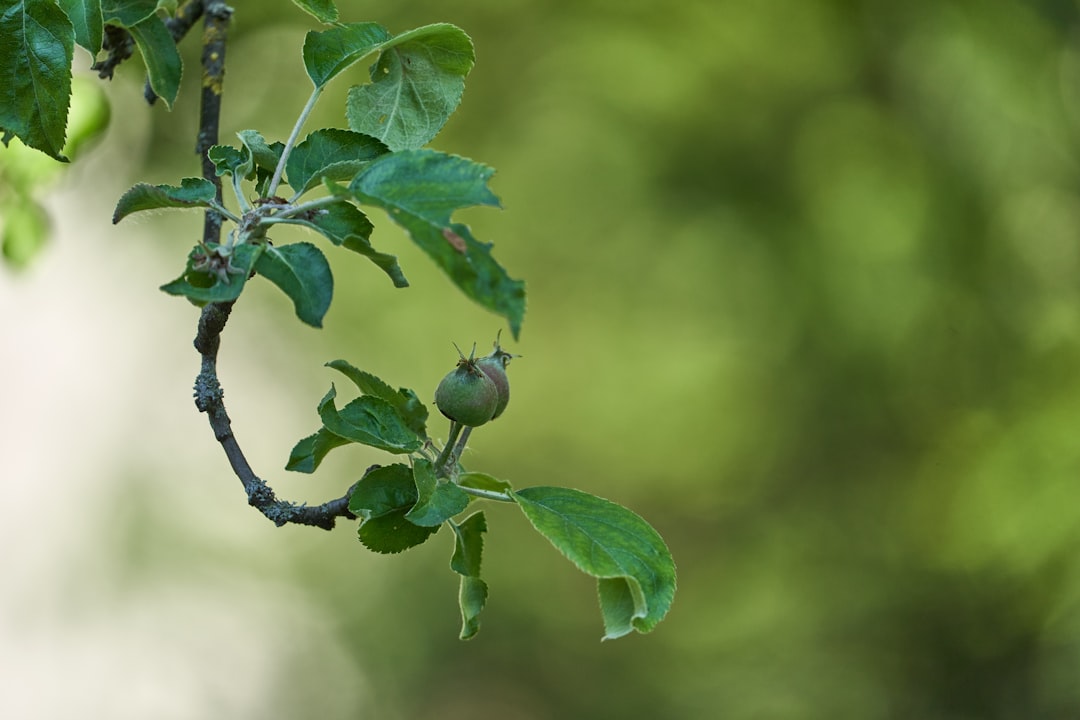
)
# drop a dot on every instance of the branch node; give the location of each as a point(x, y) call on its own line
point(208, 392)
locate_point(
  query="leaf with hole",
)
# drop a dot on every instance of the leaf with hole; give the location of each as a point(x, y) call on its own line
point(421, 189)
point(302, 273)
point(633, 567)
point(415, 87)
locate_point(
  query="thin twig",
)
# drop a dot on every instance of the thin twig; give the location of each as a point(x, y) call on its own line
point(291, 142)
point(215, 31)
point(209, 396)
point(488, 494)
point(460, 445)
point(119, 45)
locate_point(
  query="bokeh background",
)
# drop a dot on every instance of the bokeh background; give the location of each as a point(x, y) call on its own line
point(804, 291)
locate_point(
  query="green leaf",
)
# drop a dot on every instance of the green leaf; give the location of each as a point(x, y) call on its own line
point(436, 501)
point(383, 490)
point(416, 85)
point(428, 184)
point(421, 189)
point(633, 567)
point(380, 500)
point(332, 154)
point(263, 176)
point(370, 421)
point(404, 401)
point(483, 481)
point(472, 596)
point(301, 271)
point(392, 533)
point(87, 19)
point(127, 13)
point(256, 159)
point(346, 226)
point(322, 10)
point(468, 547)
point(331, 52)
point(230, 161)
point(619, 605)
point(192, 193)
point(162, 59)
point(309, 452)
point(203, 287)
point(26, 228)
point(263, 155)
point(36, 48)
point(367, 383)
point(252, 155)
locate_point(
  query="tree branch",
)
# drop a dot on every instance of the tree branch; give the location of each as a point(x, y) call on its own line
point(119, 45)
point(209, 396)
point(215, 32)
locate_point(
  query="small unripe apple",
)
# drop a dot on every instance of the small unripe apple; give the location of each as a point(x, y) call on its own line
point(494, 366)
point(467, 395)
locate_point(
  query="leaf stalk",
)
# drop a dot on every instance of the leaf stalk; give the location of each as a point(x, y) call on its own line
point(291, 142)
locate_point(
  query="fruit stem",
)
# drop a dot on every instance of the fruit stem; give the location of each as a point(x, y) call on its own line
point(291, 142)
point(488, 494)
point(461, 445)
point(447, 451)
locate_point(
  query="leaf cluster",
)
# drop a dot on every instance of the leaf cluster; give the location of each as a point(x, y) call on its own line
point(402, 505)
point(415, 82)
point(37, 45)
point(417, 78)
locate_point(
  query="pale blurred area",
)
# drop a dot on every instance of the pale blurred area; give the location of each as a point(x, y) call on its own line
point(804, 291)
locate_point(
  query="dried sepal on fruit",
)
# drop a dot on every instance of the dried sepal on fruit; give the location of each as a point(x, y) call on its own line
point(494, 366)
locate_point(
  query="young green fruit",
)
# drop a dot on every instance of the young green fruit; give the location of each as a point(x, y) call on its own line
point(494, 366)
point(467, 395)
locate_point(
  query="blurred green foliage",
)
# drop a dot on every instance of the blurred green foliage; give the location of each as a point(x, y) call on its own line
point(26, 173)
point(804, 291)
